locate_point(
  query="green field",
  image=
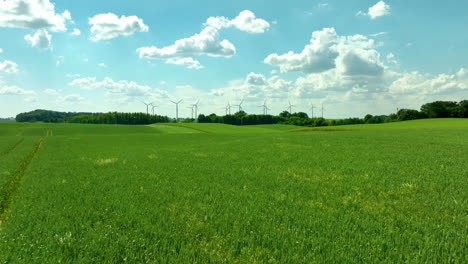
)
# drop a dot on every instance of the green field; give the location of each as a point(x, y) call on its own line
point(214, 193)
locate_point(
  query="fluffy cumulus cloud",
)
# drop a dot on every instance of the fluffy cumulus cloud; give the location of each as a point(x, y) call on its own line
point(377, 10)
point(38, 15)
point(109, 26)
point(116, 88)
point(256, 86)
point(245, 21)
point(190, 63)
point(207, 42)
point(318, 56)
point(75, 32)
point(350, 55)
point(8, 67)
point(32, 14)
point(41, 40)
point(426, 84)
point(13, 90)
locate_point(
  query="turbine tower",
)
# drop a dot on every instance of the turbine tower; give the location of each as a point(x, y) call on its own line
point(191, 108)
point(228, 108)
point(147, 107)
point(153, 107)
point(265, 107)
point(240, 105)
point(312, 110)
point(177, 108)
point(322, 110)
point(290, 106)
point(195, 107)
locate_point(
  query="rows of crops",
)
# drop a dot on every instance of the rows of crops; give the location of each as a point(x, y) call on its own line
point(161, 194)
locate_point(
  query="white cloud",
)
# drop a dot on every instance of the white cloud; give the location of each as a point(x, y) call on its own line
point(360, 62)
point(71, 98)
point(41, 39)
point(102, 64)
point(206, 42)
point(109, 26)
point(423, 84)
point(50, 91)
point(1, 50)
point(32, 14)
point(391, 59)
point(378, 34)
point(377, 10)
point(190, 63)
point(86, 83)
point(316, 57)
point(462, 73)
point(245, 21)
point(75, 32)
point(255, 86)
point(13, 90)
point(122, 88)
point(8, 67)
point(256, 79)
point(351, 55)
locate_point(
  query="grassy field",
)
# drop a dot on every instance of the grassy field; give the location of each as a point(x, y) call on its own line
point(213, 193)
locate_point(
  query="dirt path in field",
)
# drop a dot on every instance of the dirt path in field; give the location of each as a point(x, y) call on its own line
point(10, 149)
point(16, 181)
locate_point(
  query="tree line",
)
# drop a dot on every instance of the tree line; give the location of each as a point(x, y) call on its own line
point(438, 109)
point(91, 118)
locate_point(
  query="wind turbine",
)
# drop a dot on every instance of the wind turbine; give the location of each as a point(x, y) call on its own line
point(322, 110)
point(240, 105)
point(191, 107)
point(265, 108)
point(177, 108)
point(195, 107)
point(153, 107)
point(147, 106)
point(290, 106)
point(312, 110)
point(228, 108)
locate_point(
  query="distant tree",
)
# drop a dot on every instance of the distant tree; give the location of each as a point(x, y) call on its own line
point(391, 118)
point(367, 118)
point(203, 119)
point(285, 114)
point(410, 114)
point(300, 115)
point(440, 109)
point(463, 109)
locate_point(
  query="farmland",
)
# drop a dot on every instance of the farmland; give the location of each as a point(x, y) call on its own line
point(214, 193)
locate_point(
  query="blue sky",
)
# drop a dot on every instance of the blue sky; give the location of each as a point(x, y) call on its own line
point(354, 57)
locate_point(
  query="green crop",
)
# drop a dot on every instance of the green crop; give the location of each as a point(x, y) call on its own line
point(229, 194)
